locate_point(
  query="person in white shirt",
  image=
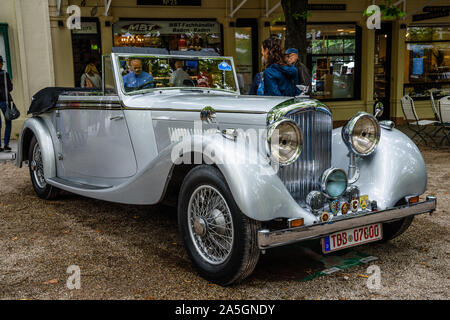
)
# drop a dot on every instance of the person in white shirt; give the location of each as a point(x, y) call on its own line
point(179, 75)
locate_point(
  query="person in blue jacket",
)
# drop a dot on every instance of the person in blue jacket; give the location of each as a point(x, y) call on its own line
point(137, 78)
point(280, 79)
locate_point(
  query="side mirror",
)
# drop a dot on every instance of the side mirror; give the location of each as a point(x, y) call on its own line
point(378, 109)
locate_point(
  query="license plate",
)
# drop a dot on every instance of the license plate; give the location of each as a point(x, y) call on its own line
point(352, 237)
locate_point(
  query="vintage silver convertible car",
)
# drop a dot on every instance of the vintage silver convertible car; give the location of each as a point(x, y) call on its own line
point(247, 173)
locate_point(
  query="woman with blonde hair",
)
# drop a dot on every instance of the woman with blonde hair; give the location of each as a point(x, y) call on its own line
point(91, 77)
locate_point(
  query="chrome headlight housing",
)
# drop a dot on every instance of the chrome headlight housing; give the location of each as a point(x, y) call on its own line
point(334, 183)
point(285, 141)
point(362, 134)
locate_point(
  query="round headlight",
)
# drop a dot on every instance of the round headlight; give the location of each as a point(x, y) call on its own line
point(362, 134)
point(285, 141)
point(334, 182)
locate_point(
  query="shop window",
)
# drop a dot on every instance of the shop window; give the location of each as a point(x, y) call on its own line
point(333, 57)
point(4, 48)
point(427, 61)
point(171, 35)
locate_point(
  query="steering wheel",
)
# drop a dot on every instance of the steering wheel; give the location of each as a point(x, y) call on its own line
point(145, 84)
point(128, 89)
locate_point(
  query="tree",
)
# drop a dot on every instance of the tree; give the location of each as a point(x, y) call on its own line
point(295, 15)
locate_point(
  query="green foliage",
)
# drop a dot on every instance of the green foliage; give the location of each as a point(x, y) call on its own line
point(388, 11)
point(296, 15)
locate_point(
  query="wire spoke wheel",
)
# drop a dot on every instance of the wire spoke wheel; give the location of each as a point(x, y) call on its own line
point(37, 167)
point(210, 224)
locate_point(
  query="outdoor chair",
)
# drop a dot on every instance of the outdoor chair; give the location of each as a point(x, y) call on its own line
point(437, 116)
point(414, 123)
point(444, 114)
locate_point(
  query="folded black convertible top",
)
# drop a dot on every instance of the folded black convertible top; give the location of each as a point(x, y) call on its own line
point(47, 98)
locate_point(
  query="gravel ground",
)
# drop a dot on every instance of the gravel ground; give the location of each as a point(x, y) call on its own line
point(134, 252)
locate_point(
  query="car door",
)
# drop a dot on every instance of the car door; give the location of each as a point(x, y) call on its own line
point(95, 140)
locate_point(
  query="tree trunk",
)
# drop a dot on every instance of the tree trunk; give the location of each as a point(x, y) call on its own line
point(296, 25)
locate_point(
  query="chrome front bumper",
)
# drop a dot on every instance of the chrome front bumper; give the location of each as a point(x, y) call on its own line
point(269, 239)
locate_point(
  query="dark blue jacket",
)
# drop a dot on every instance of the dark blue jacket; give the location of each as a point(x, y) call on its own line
point(281, 81)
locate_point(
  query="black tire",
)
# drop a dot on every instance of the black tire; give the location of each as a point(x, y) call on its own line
point(244, 252)
point(41, 187)
point(393, 229)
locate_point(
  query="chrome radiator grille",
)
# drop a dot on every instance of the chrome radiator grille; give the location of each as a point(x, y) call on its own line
point(304, 175)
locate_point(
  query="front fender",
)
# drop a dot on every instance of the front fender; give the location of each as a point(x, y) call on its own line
point(394, 170)
point(255, 186)
point(37, 127)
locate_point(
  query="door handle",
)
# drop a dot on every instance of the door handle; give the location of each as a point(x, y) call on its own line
point(116, 118)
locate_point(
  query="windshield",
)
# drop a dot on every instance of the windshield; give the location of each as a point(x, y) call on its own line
point(143, 73)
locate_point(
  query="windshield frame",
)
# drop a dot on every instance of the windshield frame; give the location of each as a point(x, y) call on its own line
point(118, 56)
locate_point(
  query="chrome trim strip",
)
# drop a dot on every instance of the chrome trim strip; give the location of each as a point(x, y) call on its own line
point(98, 104)
point(198, 110)
point(269, 239)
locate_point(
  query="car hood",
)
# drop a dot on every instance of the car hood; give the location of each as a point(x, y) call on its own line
point(197, 101)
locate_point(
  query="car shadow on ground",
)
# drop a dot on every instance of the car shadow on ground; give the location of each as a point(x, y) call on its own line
point(154, 231)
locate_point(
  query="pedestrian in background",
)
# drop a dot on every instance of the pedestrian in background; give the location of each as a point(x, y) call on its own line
point(91, 77)
point(258, 82)
point(304, 75)
point(179, 75)
point(280, 79)
point(6, 87)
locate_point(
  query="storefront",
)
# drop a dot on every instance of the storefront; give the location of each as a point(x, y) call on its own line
point(352, 65)
point(334, 58)
point(427, 61)
point(172, 35)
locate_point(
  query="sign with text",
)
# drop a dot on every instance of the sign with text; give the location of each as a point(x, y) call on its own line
point(86, 28)
point(436, 8)
point(327, 6)
point(165, 27)
point(431, 15)
point(169, 2)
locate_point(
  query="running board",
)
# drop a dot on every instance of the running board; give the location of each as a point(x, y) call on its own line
point(7, 156)
point(62, 184)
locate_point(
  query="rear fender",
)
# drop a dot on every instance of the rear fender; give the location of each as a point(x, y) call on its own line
point(37, 127)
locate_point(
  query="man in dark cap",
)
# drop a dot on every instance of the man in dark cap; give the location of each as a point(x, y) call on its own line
point(5, 88)
point(304, 75)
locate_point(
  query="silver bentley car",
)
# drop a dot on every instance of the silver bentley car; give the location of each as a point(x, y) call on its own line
point(247, 173)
